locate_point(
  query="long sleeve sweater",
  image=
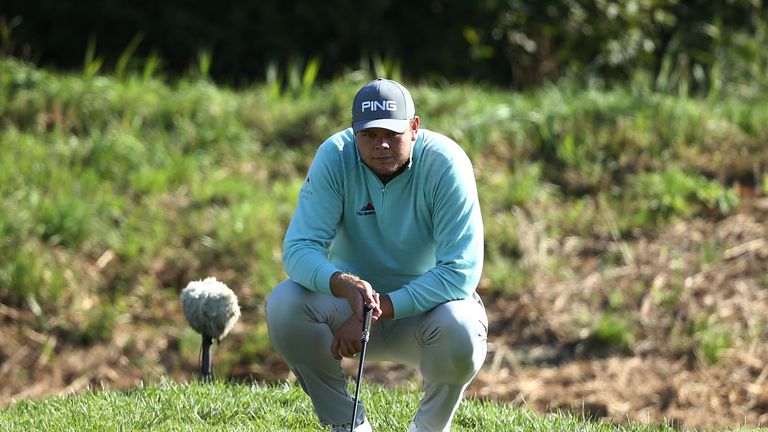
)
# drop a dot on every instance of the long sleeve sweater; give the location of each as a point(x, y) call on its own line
point(417, 238)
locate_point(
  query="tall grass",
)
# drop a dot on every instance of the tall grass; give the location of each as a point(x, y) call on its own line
point(175, 180)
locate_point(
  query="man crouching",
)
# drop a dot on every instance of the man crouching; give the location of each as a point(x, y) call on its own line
point(388, 217)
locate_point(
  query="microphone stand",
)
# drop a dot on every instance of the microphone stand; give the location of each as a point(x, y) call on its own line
point(205, 366)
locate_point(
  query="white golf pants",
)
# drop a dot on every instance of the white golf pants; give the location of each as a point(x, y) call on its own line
point(448, 344)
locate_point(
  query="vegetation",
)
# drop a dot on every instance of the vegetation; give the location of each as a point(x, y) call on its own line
point(236, 407)
point(697, 46)
point(117, 190)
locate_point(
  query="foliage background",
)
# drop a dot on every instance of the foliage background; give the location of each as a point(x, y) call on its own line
point(619, 149)
point(503, 42)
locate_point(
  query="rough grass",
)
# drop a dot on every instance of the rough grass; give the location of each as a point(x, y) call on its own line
point(618, 220)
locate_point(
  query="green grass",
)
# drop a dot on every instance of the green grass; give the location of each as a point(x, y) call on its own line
point(179, 179)
point(184, 179)
point(238, 407)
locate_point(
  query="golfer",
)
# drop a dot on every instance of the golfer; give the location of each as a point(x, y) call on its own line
point(387, 217)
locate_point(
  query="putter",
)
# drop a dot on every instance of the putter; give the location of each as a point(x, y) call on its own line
point(363, 343)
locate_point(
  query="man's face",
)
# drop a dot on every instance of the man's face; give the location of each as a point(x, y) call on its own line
point(385, 151)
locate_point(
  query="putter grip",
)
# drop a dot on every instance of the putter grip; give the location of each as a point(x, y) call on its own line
point(366, 323)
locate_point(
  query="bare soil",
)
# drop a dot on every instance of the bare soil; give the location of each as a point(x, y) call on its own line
point(543, 352)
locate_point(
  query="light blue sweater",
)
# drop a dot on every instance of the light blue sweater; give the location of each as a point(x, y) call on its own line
point(419, 238)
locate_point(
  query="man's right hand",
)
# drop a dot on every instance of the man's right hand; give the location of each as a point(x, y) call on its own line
point(358, 293)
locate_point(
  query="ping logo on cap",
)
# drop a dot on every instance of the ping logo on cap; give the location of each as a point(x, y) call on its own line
point(384, 104)
point(375, 105)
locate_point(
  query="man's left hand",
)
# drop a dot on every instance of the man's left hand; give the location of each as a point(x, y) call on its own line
point(347, 338)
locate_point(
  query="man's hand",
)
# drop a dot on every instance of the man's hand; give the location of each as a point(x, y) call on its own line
point(347, 339)
point(358, 293)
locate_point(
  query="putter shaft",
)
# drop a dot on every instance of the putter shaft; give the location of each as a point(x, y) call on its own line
point(363, 344)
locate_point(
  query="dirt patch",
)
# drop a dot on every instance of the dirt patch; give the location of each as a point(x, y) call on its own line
point(546, 350)
point(648, 390)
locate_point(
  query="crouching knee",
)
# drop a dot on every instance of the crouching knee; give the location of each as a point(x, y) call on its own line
point(458, 354)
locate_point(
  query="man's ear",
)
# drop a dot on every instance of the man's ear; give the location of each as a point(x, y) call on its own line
point(415, 127)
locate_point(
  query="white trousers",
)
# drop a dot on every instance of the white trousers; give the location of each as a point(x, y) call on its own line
point(448, 344)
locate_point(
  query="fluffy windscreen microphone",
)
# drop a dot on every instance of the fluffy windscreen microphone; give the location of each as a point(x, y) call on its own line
point(211, 309)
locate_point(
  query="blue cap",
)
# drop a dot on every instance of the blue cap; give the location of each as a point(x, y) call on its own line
point(382, 103)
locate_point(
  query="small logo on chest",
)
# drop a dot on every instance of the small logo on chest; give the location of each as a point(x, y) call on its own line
point(366, 210)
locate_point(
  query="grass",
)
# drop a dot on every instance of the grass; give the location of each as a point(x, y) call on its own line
point(183, 179)
point(238, 407)
point(117, 190)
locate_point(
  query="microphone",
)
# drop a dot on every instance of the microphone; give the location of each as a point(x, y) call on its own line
point(211, 309)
